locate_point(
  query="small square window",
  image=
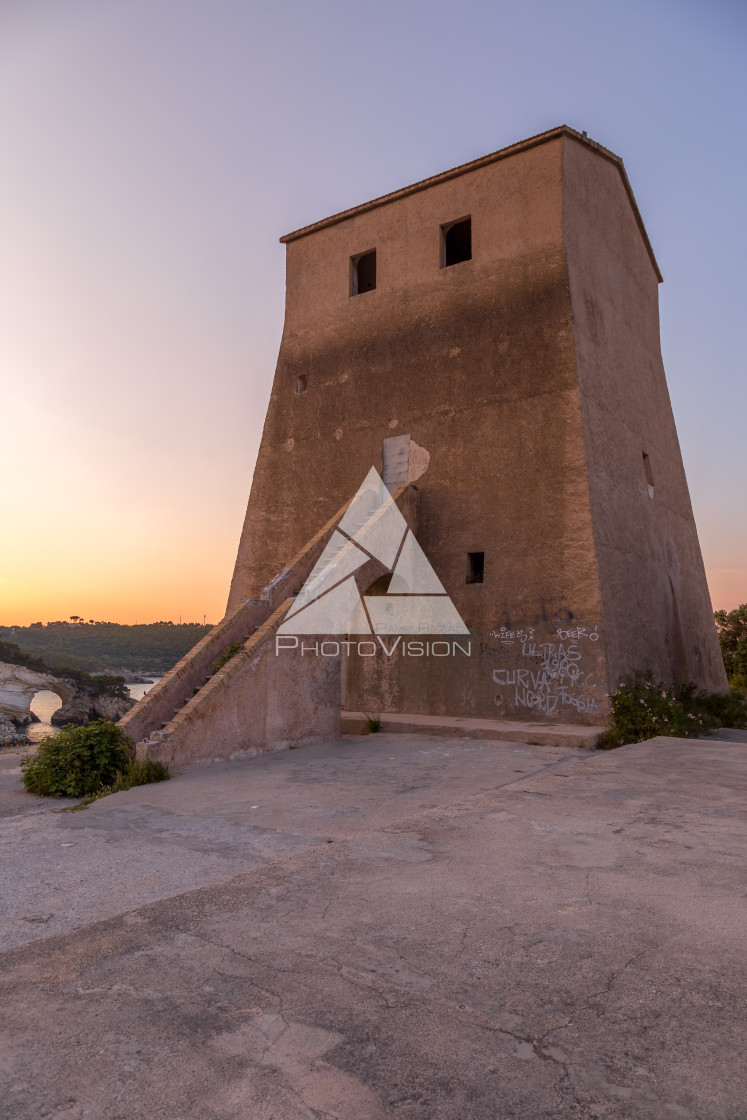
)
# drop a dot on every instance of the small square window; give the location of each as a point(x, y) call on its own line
point(456, 242)
point(649, 474)
point(363, 273)
point(475, 567)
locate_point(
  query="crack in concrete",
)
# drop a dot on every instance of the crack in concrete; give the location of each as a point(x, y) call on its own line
point(615, 974)
point(462, 1012)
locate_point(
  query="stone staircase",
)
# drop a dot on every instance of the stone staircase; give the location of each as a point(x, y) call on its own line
point(152, 720)
point(256, 701)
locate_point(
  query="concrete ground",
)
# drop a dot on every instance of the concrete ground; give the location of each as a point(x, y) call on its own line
point(390, 926)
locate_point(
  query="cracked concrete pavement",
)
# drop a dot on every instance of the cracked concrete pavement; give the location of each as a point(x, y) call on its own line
point(392, 926)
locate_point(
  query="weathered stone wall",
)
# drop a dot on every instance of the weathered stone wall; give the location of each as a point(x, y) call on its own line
point(171, 693)
point(258, 702)
point(655, 598)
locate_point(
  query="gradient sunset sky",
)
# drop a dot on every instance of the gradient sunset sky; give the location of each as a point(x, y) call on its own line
point(153, 151)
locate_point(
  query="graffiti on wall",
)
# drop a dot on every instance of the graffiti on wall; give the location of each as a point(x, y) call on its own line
point(552, 671)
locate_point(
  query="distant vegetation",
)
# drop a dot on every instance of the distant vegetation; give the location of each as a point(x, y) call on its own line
point(732, 633)
point(153, 648)
point(101, 685)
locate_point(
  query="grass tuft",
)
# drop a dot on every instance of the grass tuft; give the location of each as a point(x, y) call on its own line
point(136, 774)
point(228, 654)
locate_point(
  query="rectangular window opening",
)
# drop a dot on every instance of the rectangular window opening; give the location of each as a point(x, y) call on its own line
point(363, 273)
point(302, 384)
point(475, 567)
point(456, 242)
point(649, 474)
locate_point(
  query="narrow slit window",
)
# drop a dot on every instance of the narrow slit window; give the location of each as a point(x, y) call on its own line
point(456, 242)
point(363, 273)
point(649, 474)
point(475, 567)
point(302, 384)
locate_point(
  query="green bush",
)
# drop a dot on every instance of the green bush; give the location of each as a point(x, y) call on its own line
point(85, 762)
point(229, 653)
point(644, 709)
point(718, 709)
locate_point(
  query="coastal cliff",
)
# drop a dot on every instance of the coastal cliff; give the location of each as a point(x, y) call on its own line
point(82, 700)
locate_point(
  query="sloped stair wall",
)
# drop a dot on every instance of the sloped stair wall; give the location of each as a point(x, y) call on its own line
point(257, 701)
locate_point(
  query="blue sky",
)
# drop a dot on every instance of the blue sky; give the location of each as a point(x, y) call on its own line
point(155, 150)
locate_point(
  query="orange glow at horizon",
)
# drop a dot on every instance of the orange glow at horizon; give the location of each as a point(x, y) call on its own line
point(114, 548)
point(152, 594)
point(156, 603)
point(728, 587)
point(188, 595)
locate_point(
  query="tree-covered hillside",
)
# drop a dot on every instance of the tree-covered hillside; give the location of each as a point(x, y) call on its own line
point(152, 648)
point(102, 685)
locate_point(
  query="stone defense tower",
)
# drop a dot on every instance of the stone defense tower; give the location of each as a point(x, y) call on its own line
point(504, 316)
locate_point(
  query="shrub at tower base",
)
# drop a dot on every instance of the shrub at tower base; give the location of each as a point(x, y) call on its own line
point(89, 762)
point(643, 709)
